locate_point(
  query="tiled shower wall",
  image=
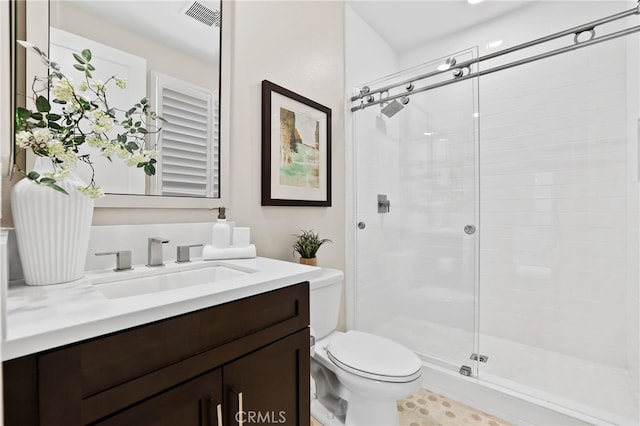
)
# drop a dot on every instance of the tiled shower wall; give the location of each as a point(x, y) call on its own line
point(554, 183)
point(553, 204)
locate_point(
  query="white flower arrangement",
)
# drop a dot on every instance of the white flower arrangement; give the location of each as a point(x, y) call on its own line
point(85, 117)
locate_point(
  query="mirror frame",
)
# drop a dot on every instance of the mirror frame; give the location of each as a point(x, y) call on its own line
point(7, 19)
point(38, 12)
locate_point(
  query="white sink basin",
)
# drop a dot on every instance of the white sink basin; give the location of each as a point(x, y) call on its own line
point(166, 278)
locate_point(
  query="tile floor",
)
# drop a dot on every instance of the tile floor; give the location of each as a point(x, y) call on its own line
point(426, 408)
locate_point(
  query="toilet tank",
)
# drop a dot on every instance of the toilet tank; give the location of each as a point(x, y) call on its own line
point(324, 301)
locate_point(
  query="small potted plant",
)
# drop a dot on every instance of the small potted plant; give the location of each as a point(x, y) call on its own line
point(307, 245)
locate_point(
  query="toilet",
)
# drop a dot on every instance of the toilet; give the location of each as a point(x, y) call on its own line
point(358, 376)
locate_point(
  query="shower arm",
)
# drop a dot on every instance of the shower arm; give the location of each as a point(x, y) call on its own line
point(577, 31)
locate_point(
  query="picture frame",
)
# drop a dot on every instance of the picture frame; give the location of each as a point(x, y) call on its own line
point(296, 149)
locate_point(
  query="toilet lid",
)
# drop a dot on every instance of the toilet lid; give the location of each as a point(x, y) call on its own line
point(374, 357)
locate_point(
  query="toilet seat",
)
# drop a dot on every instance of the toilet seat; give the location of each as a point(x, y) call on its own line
point(374, 357)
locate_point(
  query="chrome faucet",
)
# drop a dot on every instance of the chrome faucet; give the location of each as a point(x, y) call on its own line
point(154, 251)
point(183, 254)
point(123, 259)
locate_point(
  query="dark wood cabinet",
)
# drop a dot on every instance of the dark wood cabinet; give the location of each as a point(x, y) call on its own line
point(197, 402)
point(250, 357)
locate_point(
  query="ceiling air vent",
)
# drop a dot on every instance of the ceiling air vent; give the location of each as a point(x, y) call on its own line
point(202, 13)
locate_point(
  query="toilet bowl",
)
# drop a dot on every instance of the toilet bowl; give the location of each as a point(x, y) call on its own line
point(358, 376)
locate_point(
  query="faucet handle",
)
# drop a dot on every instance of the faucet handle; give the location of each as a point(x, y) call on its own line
point(182, 255)
point(123, 259)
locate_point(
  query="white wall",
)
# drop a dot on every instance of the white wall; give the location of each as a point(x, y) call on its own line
point(297, 45)
point(369, 58)
point(633, 207)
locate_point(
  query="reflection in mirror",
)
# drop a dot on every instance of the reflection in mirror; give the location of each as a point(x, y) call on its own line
point(169, 52)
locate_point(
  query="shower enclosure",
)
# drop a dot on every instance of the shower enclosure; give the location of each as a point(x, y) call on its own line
point(495, 224)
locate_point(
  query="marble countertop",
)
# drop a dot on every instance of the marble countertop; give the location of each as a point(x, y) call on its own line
point(45, 317)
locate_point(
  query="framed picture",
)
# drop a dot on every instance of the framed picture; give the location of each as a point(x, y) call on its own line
point(296, 149)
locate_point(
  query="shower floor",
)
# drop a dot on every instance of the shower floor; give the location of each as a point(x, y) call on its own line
point(589, 387)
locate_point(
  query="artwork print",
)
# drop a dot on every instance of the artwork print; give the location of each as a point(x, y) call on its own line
point(299, 149)
point(296, 149)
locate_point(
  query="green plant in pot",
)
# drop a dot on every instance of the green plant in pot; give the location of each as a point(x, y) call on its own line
point(307, 245)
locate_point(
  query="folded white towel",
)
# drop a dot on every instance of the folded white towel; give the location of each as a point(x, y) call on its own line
point(209, 252)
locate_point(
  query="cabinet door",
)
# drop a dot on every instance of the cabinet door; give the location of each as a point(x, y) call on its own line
point(271, 385)
point(189, 404)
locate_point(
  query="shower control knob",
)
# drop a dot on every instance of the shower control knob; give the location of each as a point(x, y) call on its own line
point(470, 229)
point(362, 225)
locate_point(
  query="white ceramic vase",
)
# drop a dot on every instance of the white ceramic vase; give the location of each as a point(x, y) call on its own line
point(52, 228)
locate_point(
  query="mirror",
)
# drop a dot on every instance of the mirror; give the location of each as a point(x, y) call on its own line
point(169, 52)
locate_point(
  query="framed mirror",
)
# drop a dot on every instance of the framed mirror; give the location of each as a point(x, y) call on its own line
point(169, 51)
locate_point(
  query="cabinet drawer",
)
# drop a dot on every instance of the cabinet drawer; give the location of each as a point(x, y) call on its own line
point(121, 357)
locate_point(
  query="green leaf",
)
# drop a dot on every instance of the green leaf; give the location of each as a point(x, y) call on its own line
point(88, 74)
point(23, 113)
point(53, 117)
point(91, 67)
point(79, 58)
point(144, 101)
point(37, 116)
point(58, 101)
point(79, 67)
point(54, 125)
point(86, 54)
point(149, 170)
point(42, 104)
point(33, 175)
point(132, 146)
point(55, 66)
point(56, 187)
point(122, 138)
point(142, 130)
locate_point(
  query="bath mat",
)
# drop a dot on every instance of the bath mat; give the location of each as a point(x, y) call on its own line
point(426, 408)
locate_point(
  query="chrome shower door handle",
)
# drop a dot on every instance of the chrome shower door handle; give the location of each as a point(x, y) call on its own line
point(384, 205)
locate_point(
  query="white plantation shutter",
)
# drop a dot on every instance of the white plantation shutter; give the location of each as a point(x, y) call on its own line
point(188, 145)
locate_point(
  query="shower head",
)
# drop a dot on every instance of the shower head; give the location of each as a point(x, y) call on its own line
point(393, 107)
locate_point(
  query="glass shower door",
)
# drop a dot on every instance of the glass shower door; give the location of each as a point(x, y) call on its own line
point(416, 252)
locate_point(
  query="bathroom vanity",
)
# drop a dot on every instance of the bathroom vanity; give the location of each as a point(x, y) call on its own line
point(237, 353)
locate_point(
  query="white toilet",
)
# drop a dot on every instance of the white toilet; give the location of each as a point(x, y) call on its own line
point(358, 376)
